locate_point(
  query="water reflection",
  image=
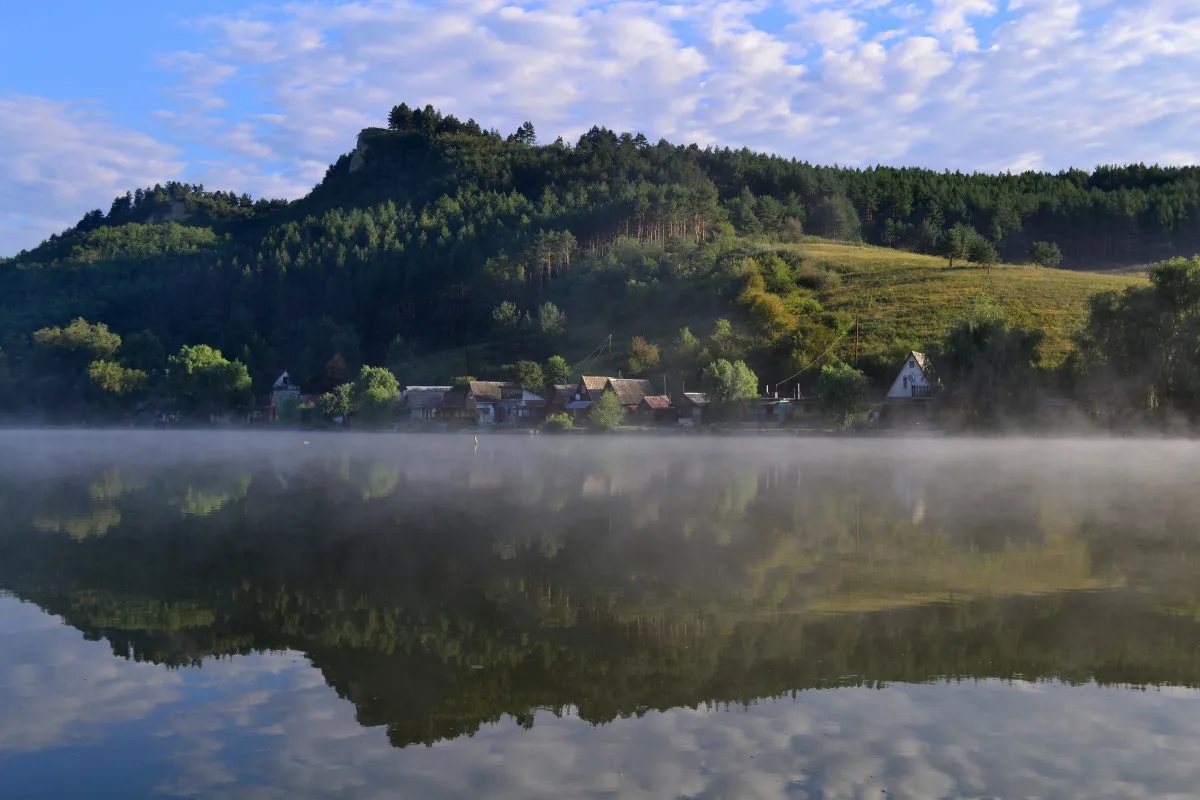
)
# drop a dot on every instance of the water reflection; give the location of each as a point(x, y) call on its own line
point(419, 591)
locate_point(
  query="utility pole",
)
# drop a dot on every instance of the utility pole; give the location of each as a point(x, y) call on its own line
point(856, 340)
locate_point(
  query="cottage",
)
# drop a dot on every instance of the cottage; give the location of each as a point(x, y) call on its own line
point(912, 382)
point(910, 397)
point(423, 402)
point(630, 391)
point(692, 408)
point(657, 408)
point(562, 395)
point(589, 390)
point(493, 402)
point(283, 390)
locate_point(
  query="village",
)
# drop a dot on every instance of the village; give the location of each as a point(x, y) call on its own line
point(907, 402)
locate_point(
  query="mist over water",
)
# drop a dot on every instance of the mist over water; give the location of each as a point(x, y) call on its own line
point(285, 614)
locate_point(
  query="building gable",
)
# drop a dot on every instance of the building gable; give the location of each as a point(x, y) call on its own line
point(912, 380)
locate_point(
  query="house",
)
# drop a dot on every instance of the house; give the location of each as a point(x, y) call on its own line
point(912, 382)
point(910, 396)
point(562, 395)
point(283, 390)
point(693, 406)
point(493, 402)
point(630, 391)
point(589, 390)
point(423, 402)
point(657, 408)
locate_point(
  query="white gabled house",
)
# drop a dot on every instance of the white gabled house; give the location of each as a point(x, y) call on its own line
point(912, 382)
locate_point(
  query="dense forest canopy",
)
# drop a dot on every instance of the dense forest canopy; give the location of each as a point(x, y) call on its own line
point(404, 251)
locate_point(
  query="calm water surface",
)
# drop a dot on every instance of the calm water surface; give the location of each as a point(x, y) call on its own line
point(233, 615)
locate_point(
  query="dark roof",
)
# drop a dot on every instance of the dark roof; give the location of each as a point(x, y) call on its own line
point(564, 392)
point(594, 383)
point(425, 399)
point(630, 391)
point(696, 398)
point(656, 401)
point(456, 398)
point(495, 391)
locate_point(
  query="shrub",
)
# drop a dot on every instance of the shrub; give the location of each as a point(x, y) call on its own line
point(557, 423)
point(607, 412)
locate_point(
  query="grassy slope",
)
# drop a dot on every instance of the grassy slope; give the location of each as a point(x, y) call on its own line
point(905, 297)
point(905, 301)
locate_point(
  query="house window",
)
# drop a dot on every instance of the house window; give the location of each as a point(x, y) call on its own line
point(905, 381)
point(912, 364)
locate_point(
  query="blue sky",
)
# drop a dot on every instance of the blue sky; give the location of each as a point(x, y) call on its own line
point(96, 99)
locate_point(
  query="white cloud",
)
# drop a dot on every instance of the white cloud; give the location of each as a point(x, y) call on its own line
point(949, 18)
point(835, 85)
point(271, 95)
point(57, 689)
point(57, 160)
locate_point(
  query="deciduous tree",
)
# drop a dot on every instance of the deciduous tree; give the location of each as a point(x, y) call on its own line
point(841, 392)
point(204, 381)
point(607, 412)
point(375, 394)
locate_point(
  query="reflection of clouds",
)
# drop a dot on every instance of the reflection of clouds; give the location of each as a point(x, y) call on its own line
point(267, 726)
point(56, 688)
point(912, 741)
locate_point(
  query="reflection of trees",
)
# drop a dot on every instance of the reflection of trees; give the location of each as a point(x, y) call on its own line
point(613, 585)
point(204, 500)
point(382, 479)
point(113, 485)
point(79, 526)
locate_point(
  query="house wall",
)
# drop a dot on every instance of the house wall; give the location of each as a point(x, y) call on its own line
point(910, 373)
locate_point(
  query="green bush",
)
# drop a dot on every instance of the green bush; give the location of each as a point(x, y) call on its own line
point(557, 423)
point(607, 412)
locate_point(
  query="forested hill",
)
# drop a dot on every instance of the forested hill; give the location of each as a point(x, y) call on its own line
point(434, 235)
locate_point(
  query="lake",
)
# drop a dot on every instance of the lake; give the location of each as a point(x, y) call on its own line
point(333, 615)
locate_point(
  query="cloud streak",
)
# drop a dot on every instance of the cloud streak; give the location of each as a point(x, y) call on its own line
point(1035, 86)
point(58, 159)
point(263, 99)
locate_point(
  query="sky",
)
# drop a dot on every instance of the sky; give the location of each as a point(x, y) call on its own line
point(100, 98)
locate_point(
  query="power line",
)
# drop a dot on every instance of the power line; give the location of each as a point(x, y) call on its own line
point(815, 360)
point(594, 353)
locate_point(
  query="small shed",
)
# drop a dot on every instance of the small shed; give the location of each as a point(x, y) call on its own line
point(657, 408)
point(423, 402)
point(693, 407)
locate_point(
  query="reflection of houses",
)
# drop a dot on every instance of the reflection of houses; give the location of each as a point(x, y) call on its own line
point(422, 402)
point(910, 488)
point(493, 402)
point(911, 393)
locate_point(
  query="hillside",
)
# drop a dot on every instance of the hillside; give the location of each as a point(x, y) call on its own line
point(439, 249)
point(908, 297)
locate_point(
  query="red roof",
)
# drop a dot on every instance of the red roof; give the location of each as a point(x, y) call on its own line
point(657, 401)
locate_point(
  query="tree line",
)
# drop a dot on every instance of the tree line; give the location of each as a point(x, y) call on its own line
point(401, 256)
